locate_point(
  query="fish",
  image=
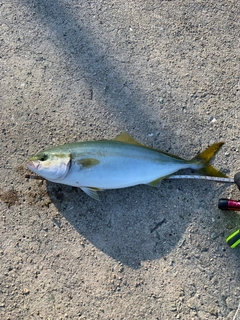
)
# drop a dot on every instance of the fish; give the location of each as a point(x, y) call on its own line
point(112, 164)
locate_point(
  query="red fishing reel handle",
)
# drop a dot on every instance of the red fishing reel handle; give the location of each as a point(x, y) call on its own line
point(228, 204)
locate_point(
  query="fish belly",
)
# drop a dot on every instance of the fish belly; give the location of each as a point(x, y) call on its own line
point(121, 172)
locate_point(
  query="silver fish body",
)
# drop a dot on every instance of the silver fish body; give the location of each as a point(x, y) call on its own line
point(109, 164)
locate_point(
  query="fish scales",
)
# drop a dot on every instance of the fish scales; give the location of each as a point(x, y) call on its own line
point(113, 164)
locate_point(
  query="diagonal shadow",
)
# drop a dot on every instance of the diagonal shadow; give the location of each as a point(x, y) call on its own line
point(81, 49)
point(123, 225)
point(119, 225)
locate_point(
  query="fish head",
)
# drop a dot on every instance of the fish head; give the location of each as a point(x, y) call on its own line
point(50, 165)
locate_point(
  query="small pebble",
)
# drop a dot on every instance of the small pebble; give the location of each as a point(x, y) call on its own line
point(26, 291)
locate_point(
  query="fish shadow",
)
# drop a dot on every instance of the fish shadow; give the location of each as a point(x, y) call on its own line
point(130, 225)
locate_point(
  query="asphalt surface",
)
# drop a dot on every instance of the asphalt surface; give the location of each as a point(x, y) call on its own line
point(166, 72)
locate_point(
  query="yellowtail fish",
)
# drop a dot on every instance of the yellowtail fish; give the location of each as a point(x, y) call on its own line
point(111, 164)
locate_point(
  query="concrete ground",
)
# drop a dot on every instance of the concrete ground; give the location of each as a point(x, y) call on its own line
point(166, 72)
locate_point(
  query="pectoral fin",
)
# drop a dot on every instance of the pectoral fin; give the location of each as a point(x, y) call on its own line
point(91, 192)
point(88, 162)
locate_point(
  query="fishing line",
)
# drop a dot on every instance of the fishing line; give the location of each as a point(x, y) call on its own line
point(31, 176)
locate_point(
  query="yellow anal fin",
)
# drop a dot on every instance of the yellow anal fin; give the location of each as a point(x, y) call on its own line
point(88, 162)
point(155, 183)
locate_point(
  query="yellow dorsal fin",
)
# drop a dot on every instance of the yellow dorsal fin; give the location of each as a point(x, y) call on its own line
point(125, 137)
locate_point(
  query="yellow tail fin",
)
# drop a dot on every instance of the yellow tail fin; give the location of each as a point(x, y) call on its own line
point(205, 158)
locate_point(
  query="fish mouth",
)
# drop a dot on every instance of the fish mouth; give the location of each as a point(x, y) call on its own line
point(32, 165)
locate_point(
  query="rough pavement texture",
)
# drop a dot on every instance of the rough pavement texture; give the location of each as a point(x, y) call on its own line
point(167, 72)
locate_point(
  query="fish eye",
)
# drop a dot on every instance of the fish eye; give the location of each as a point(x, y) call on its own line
point(43, 157)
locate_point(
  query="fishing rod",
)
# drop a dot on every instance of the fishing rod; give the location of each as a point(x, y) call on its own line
point(199, 177)
point(235, 180)
point(233, 240)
